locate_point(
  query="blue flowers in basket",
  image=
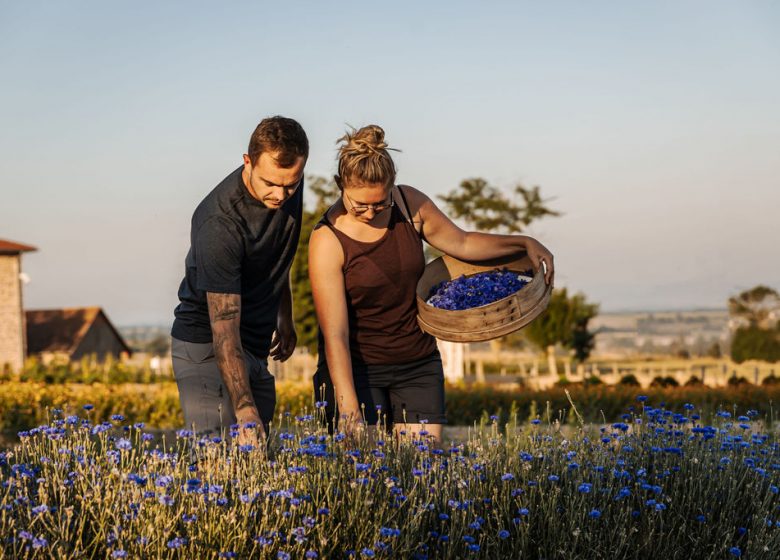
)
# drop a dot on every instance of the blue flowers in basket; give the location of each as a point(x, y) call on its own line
point(466, 292)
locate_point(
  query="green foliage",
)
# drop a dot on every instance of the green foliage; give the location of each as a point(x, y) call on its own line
point(714, 351)
point(565, 322)
point(756, 343)
point(735, 381)
point(667, 381)
point(88, 370)
point(629, 380)
point(487, 208)
point(758, 307)
point(771, 380)
point(24, 405)
point(326, 193)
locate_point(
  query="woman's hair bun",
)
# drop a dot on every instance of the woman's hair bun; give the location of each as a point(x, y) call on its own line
point(364, 155)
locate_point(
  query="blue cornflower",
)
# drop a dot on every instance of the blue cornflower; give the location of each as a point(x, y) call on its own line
point(282, 555)
point(368, 553)
point(123, 444)
point(553, 478)
point(323, 511)
point(117, 417)
point(536, 421)
point(594, 513)
point(119, 554)
point(507, 476)
point(642, 398)
point(228, 554)
point(177, 542)
point(88, 407)
point(585, 487)
point(388, 532)
point(735, 551)
point(503, 534)
point(311, 554)
point(40, 509)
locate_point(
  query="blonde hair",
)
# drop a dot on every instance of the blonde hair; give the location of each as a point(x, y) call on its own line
point(364, 156)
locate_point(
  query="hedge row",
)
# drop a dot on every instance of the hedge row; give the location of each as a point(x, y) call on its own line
point(26, 404)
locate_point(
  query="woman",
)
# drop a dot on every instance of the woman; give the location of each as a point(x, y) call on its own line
point(365, 258)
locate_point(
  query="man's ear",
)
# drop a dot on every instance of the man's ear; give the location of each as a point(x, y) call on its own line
point(337, 180)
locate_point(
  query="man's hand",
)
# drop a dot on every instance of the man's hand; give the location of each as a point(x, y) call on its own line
point(539, 254)
point(250, 428)
point(284, 340)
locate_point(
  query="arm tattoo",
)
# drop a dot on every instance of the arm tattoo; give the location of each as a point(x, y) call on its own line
point(225, 316)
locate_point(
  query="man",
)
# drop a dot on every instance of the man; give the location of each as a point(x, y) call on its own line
point(235, 303)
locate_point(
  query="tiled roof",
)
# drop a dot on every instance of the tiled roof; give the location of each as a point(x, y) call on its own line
point(12, 248)
point(61, 330)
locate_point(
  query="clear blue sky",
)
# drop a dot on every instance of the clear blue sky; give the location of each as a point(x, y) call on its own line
point(655, 127)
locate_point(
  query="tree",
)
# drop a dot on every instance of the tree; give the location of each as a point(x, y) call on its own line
point(754, 343)
point(564, 322)
point(326, 193)
point(486, 208)
point(757, 307)
point(756, 315)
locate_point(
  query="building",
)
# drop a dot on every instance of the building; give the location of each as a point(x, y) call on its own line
point(72, 334)
point(12, 327)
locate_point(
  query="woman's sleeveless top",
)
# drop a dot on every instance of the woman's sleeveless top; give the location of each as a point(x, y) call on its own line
point(380, 280)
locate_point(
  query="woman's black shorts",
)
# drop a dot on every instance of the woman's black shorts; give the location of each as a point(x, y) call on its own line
point(402, 393)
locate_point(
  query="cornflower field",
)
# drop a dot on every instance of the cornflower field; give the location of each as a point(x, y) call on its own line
point(658, 484)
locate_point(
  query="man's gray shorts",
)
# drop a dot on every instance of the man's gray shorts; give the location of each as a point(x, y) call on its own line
point(204, 398)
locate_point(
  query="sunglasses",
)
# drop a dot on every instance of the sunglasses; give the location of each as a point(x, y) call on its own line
point(359, 209)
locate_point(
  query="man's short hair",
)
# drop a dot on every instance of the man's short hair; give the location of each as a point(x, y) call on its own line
point(282, 135)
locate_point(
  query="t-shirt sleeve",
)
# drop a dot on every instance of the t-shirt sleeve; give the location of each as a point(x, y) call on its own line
point(219, 251)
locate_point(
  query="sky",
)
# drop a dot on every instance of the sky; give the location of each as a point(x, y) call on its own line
point(653, 127)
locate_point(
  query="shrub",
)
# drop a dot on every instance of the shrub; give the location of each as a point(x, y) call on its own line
point(770, 380)
point(667, 381)
point(735, 381)
point(629, 380)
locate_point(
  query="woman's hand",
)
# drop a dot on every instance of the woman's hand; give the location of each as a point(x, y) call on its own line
point(541, 258)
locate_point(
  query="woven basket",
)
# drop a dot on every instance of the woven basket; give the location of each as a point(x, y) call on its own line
point(487, 321)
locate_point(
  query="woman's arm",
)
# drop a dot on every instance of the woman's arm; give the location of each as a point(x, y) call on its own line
point(326, 259)
point(438, 230)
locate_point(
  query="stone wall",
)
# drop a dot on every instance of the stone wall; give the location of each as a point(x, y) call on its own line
point(11, 316)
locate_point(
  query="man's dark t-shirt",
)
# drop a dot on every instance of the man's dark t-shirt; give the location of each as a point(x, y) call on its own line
point(238, 246)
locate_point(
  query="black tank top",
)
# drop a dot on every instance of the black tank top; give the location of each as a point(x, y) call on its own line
point(380, 279)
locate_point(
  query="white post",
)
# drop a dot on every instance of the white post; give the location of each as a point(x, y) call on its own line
point(452, 359)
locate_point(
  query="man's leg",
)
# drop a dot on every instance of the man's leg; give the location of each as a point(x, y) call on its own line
point(205, 401)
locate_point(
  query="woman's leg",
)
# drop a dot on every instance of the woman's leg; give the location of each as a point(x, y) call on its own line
point(417, 395)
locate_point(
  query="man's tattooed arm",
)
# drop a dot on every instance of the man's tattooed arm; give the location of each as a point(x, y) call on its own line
point(225, 317)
